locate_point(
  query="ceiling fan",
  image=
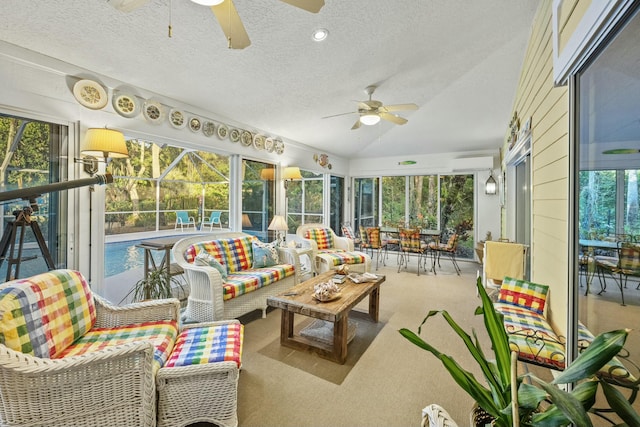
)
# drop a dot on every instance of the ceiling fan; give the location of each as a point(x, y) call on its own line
point(371, 111)
point(226, 14)
point(228, 18)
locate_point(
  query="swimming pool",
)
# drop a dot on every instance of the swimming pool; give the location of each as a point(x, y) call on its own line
point(122, 256)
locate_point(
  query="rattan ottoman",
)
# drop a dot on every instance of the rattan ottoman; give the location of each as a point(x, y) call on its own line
point(199, 382)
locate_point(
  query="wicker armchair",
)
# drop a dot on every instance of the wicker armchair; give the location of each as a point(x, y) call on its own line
point(331, 251)
point(435, 416)
point(110, 386)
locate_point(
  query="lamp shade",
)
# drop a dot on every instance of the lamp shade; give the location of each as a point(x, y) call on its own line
point(291, 172)
point(246, 222)
point(267, 174)
point(278, 223)
point(369, 119)
point(103, 142)
point(490, 187)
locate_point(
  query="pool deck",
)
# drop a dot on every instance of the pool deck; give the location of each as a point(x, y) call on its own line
point(125, 237)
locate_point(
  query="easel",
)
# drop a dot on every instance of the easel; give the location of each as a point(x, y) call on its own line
point(8, 242)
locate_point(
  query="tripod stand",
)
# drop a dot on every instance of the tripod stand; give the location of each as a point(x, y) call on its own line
point(8, 242)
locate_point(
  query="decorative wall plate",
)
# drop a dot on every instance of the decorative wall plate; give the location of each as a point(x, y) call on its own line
point(90, 94)
point(234, 135)
point(177, 119)
point(258, 141)
point(279, 146)
point(269, 144)
point(126, 105)
point(246, 138)
point(208, 128)
point(153, 111)
point(195, 124)
point(222, 131)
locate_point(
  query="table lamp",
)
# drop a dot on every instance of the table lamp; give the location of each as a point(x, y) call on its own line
point(279, 224)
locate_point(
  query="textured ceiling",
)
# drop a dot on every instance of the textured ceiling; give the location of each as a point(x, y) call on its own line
point(458, 60)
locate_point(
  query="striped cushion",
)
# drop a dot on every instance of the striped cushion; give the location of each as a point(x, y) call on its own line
point(235, 253)
point(43, 314)
point(162, 334)
point(219, 343)
point(523, 294)
point(338, 257)
point(347, 232)
point(629, 258)
point(243, 282)
point(373, 233)
point(410, 240)
point(532, 337)
point(322, 236)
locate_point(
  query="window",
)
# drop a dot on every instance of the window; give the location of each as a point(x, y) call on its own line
point(31, 156)
point(336, 196)
point(155, 181)
point(366, 202)
point(305, 200)
point(258, 199)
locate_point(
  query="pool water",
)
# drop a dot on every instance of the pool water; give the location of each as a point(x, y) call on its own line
point(122, 256)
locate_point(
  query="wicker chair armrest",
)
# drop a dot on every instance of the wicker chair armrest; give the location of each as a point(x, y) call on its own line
point(108, 315)
point(343, 243)
point(206, 284)
point(113, 386)
point(291, 256)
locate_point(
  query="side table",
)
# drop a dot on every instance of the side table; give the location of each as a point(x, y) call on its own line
point(310, 271)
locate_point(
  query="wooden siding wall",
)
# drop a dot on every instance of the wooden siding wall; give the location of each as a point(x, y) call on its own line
point(547, 105)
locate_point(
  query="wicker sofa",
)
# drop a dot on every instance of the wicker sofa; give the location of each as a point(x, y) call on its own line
point(67, 357)
point(234, 285)
point(331, 251)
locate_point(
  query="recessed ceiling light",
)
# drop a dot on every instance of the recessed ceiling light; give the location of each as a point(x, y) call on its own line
point(320, 34)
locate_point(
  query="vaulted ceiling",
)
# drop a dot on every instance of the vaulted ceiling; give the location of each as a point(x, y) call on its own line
point(458, 60)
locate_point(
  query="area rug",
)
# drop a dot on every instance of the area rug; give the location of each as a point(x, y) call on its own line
point(365, 332)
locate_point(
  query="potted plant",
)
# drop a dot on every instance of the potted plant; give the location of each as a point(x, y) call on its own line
point(157, 285)
point(538, 403)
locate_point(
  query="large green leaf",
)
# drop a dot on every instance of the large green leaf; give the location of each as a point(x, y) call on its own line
point(620, 405)
point(603, 348)
point(585, 392)
point(570, 406)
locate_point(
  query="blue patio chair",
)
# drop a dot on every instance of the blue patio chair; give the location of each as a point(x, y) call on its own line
point(214, 219)
point(183, 219)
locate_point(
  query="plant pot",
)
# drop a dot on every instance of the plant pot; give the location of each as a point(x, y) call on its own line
point(479, 417)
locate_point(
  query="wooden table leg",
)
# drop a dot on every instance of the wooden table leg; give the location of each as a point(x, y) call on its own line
point(374, 304)
point(286, 326)
point(340, 339)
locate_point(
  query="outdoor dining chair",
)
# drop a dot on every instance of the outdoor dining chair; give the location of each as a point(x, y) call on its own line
point(627, 265)
point(411, 243)
point(183, 219)
point(214, 219)
point(448, 249)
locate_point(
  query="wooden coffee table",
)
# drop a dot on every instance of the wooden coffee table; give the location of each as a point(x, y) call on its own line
point(300, 300)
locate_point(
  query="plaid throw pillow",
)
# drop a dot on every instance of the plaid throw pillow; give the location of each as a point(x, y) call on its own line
point(522, 293)
point(322, 236)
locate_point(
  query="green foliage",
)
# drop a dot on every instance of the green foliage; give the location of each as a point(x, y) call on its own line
point(157, 285)
point(541, 403)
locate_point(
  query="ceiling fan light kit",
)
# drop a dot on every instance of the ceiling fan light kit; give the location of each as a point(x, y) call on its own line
point(207, 2)
point(369, 119)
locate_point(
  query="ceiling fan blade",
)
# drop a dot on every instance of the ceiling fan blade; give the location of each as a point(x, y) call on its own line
point(312, 6)
point(393, 118)
point(399, 107)
point(356, 125)
point(231, 25)
point(341, 114)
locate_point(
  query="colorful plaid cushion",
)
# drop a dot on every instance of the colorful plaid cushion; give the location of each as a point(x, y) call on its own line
point(235, 253)
point(629, 258)
point(162, 334)
point(410, 240)
point(523, 294)
point(322, 236)
point(338, 257)
point(42, 315)
point(243, 282)
point(219, 343)
point(532, 337)
point(347, 232)
point(373, 234)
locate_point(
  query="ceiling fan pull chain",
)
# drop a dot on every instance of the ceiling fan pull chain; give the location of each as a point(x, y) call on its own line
point(170, 28)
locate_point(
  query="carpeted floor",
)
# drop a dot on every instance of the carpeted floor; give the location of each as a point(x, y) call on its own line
point(386, 380)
